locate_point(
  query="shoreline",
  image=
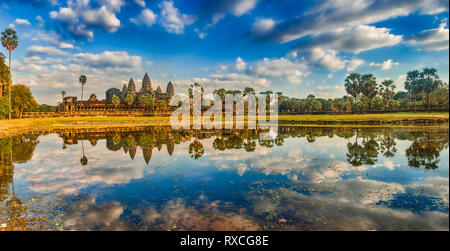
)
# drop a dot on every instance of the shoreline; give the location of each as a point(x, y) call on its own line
point(21, 126)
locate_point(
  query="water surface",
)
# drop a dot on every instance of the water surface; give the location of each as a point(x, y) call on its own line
point(156, 178)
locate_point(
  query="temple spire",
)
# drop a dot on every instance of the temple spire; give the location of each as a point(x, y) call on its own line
point(131, 87)
point(146, 83)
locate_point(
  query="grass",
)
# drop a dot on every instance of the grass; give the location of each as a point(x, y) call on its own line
point(8, 127)
point(365, 117)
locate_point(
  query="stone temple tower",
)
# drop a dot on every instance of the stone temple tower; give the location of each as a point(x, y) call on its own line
point(146, 83)
point(170, 90)
point(131, 87)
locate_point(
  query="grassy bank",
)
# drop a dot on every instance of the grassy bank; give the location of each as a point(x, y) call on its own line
point(365, 117)
point(8, 127)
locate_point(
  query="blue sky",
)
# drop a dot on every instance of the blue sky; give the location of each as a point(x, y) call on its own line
point(297, 47)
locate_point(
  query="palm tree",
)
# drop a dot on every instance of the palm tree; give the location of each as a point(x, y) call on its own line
point(369, 87)
point(387, 90)
point(83, 159)
point(63, 94)
point(249, 90)
point(353, 85)
point(115, 101)
point(412, 85)
point(129, 99)
point(82, 80)
point(430, 81)
point(10, 41)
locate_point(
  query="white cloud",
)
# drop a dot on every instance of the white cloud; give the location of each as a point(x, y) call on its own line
point(431, 40)
point(44, 50)
point(386, 65)
point(79, 18)
point(200, 34)
point(40, 20)
point(118, 60)
point(102, 17)
point(64, 45)
point(331, 15)
point(263, 25)
point(354, 64)
point(238, 8)
point(18, 21)
point(140, 3)
point(172, 20)
point(355, 40)
point(280, 68)
point(146, 17)
point(327, 59)
point(240, 64)
point(21, 22)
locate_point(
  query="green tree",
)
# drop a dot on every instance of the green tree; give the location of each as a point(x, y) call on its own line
point(4, 74)
point(63, 94)
point(430, 81)
point(129, 99)
point(162, 104)
point(115, 100)
point(249, 90)
point(82, 80)
point(387, 90)
point(369, 87)
point(146, 100)
point(353, 85)
point(221, 93)
point(10, 41)
point(4, 107)
point(22, 99)
point(413, 86)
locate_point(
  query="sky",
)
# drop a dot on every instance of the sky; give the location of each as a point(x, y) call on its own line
point(296, 47)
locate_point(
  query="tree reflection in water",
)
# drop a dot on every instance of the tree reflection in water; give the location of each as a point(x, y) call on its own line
point(364, 147)
point(17, 213)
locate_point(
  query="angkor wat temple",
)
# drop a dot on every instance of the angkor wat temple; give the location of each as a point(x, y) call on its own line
point(72, 104)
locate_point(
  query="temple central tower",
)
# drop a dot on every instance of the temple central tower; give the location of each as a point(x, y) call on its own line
point(146, 83)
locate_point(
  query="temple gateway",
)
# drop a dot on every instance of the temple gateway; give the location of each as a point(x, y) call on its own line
point(160, 99)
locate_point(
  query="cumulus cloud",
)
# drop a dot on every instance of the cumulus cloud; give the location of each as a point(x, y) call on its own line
point(354, 64)
point(172, 20)
point(263, 25)
point(64, 45)
point(22, 22)
point(325, 59)
point(79, 18)
point(19, 21)
point(44, 50)
point(386, 65)
point(431, 40)
point(147, 17)
point(354, 40)
point(240, 64)
point(333, 15)
point(107, 59)
point(140, 3)
point(219, 9)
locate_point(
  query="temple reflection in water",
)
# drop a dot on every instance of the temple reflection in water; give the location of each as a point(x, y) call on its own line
point(420, 148)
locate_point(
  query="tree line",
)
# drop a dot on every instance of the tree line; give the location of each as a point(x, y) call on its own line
point(364, 94)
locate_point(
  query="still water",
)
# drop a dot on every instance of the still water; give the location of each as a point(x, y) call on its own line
point(156, 178)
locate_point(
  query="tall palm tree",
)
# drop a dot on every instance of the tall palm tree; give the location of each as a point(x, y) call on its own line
point(10, 41)
point(429, 83)
point(353, 85)
point(83, 80)
point(412, 85)
point(63, 94)
point(387, 90)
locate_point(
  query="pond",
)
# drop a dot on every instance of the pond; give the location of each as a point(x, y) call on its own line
point(156, 178)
